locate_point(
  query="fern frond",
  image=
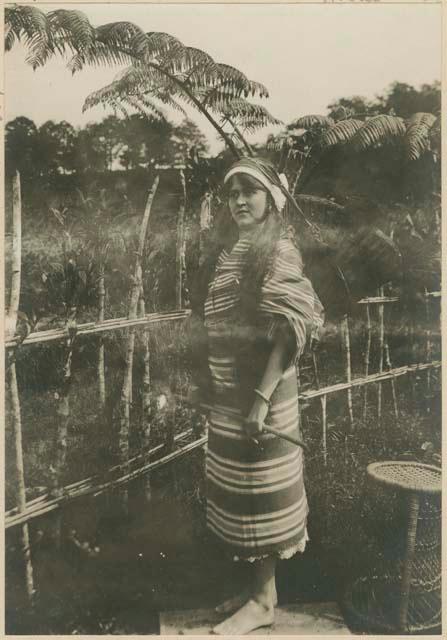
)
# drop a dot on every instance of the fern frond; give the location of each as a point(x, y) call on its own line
point(417, 138)
point(237, 84)
point(310, 121)
point(146, 107)
point(126, 37)
point(10, 37)
point(340, 133)
point(318, 201)
point(377, 131)
point(341, 113)
point(246, 115)
point(160, 44)
point(73, 26)
point(435, 135)
point(279, 142)
point(30, 24)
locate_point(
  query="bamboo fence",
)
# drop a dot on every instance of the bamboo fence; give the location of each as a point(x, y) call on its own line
point(176, 445)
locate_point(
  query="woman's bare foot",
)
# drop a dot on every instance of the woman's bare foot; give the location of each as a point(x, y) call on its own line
point(249, 617)
point(233, 604)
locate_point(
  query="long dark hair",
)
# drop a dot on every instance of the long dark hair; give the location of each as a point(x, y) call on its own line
point(260, 255)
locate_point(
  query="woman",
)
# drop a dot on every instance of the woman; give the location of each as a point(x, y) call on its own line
point(259, 311)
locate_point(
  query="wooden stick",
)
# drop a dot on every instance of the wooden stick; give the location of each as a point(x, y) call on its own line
point(373, 378)
point(101, 354)
point(97, 489)
point(381, 351)
point(205, 223)
point(14, 297)
point(133, 309)
point(428, 337)
point(180, 245)
point(71, 489)
point(11, 323)
point(284, 436)
point(146, 396)
point(393, 382)
point(63, 412)
point(90, 328)
point(378, 300)
point(323, 400)
point(367, 358)
point(347, 346)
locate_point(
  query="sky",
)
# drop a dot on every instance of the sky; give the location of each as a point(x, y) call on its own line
point(307, 55)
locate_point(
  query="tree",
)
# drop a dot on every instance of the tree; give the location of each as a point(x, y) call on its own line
point(404, 100)
point(160, 71)
point(21, 146)
point(56, 145)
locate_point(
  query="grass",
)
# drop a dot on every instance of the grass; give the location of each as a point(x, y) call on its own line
point(158, 555)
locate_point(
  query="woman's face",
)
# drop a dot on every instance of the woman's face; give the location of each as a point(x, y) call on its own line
point(247, 202)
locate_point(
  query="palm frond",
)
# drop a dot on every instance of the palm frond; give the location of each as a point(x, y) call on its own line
point(340, 133)
point(310, 121)
point(417, 138)
point(377, 131)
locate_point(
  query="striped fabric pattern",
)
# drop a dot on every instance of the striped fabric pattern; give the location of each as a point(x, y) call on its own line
point(256, 500)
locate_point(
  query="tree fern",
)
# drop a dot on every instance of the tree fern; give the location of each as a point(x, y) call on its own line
point(158, 64)
point(340, 133)
point(377, 131)
point(310, 121)
point(417, 138)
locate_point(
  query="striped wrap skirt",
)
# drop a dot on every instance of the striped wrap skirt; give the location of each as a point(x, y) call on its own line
point(256, 499)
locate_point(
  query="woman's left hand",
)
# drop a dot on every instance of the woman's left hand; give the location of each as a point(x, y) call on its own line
point(254, 422)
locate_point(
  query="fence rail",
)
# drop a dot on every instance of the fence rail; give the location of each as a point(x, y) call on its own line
point(115, 324)
point(96, 485)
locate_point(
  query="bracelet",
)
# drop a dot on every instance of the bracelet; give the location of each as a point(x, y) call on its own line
point(261, 395)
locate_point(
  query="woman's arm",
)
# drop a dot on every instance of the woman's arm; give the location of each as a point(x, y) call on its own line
point(278, 361)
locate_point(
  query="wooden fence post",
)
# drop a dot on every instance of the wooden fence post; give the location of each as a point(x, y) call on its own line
point(347, 349)
point(323, 400)
point(146, 394)
point(428, 347)
point(63, 411)
point(180, 244)
point(205, 223)
point(381, 352)
point(11, 323)
point(101, 355)
point(367, 358)
point(393, 383)
point(133, 310)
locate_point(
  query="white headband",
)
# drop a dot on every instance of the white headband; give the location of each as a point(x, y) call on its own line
point(278, 197)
